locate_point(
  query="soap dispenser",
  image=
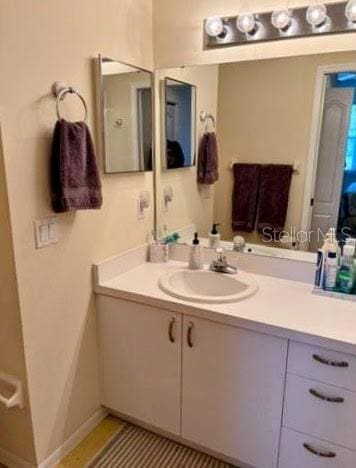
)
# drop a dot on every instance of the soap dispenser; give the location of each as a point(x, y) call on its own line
point(214, 237)
point(196, 254)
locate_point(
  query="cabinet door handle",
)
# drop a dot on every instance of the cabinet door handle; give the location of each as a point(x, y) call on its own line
point(319, 453)
point(170, 330)
point(329, 362)
point(319, 395)
point(189, 334)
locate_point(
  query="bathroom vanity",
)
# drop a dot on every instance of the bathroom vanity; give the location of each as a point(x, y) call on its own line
point(266, 382)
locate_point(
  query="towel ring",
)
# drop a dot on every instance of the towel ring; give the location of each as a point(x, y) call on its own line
point(60, 90)
point(205, 117)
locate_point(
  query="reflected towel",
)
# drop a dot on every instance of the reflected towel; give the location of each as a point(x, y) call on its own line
point(274, 197)
point(75, 182)
point(208, 172)
point(245, 196)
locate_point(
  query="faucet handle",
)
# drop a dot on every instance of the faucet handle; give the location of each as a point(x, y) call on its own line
point(220, 265)
point(220, 252)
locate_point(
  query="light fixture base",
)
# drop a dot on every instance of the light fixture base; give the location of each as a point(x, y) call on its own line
point(339, 23)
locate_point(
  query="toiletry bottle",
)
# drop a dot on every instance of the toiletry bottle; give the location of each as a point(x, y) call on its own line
point(330, 272)
point(214, 237)
point(196, 254)
point(345, 277)
point(332, 239)
point(328, 246)
point(318, 282)
point(352, 241)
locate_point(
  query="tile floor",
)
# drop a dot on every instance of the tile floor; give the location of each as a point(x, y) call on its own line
point(81, 455)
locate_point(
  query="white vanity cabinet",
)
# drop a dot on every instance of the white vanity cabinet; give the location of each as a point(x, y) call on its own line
point(232, 390)
point(140, 353)
point(215, 385)
point(319, 409)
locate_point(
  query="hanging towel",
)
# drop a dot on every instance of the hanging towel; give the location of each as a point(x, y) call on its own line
point(208, 172)
point(245, 196)
point(75, 181)
point(274, 196)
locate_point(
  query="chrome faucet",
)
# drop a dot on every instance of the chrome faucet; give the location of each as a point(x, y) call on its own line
point(220, 265)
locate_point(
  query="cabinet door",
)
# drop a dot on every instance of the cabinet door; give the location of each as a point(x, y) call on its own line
point(140, 352)
point(233, 382)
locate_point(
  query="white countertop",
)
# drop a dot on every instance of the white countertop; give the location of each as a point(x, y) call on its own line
point(280, 307)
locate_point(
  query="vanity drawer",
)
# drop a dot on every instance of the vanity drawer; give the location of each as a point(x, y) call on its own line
point(324, 365)
point(324, 411)
point(302, 451)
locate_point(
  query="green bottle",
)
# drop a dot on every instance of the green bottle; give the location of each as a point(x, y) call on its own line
point(345, 277)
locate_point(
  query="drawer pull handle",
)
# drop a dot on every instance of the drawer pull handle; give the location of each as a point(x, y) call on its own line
point(170, 330)
point(326, 398)
point(329, 362)
point(189, 334)
point(319, 453)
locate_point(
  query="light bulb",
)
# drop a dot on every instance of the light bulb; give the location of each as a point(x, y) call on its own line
point(246, 23)
point(350, 11)
point(214, 26)
point(316, 14)
point(281, 19)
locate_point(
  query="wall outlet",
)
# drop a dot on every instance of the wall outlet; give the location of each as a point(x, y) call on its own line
point(46, 232)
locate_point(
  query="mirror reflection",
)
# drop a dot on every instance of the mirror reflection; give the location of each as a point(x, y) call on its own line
point(180, 121)
point(125, 116)
point(286, 156)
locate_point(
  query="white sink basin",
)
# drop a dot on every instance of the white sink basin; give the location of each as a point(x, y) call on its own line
point(208, 286)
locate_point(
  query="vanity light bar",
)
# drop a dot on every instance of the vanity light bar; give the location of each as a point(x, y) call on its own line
point(317, 19)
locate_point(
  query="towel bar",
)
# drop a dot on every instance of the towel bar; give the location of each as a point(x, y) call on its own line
point(295, 164)
point(17, 398)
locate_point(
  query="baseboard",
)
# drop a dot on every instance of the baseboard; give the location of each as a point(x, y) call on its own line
point(12, 461)
point(73, 440)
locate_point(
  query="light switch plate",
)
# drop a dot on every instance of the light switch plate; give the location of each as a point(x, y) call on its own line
point(46, 232)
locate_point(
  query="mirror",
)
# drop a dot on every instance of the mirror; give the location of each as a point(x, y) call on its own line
point(179, 124)
point(125, 116)
point(286, 133)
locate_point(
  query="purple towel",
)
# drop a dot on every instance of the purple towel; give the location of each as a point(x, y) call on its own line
point(274, 196)
point(75, 182)
point(208, 172)
point(245, 196)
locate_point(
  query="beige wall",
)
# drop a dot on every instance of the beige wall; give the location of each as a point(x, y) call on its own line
point(16, 428)
point(41, 42)
point(178, 33)
point(192, 203)
point(264, 115)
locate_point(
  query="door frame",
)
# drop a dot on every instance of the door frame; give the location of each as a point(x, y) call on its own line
point(137, 143)
point(314, 140)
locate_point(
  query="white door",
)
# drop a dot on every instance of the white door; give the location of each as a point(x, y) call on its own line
point(140, 353)
point(232, 391)
point(331, 162)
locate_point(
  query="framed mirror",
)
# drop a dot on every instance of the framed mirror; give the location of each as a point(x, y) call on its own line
point(285, 130)
point(179, 139)
point(125, 116)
